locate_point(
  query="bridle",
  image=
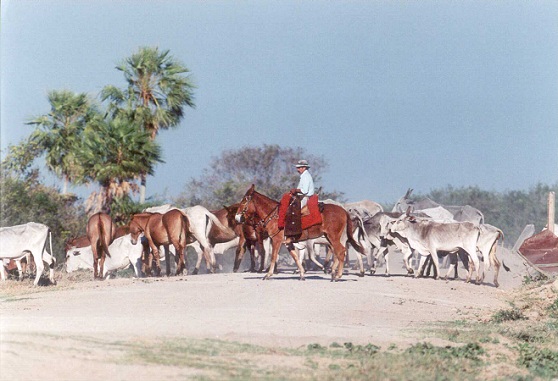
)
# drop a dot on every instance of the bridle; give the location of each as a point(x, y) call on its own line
point(274, 213)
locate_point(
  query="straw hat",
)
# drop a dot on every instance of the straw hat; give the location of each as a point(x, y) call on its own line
point(302, 163)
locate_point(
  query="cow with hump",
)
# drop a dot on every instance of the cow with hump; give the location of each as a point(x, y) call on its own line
point(123, 254)
point(428, 237)
point(17, 241)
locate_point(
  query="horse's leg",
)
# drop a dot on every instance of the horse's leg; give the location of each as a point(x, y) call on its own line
point(275, 246)
point(94, 248)
point(252, 249)
point(239, 253)
point(167, 259)
point(339, 251)
point(261, 255)
point(201, 254)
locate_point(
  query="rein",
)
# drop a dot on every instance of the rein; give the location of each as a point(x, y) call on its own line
point(263, 221)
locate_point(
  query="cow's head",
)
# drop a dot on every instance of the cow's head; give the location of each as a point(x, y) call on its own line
point(75, 260)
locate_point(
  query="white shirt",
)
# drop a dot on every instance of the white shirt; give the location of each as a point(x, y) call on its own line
point(306, 183)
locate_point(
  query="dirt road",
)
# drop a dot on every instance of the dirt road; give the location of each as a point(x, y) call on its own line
point(282, 312)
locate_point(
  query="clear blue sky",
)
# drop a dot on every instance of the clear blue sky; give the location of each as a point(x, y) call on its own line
point(394, 94)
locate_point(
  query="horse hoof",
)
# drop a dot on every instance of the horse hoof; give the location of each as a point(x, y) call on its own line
point(361, 274)
point(195, 272)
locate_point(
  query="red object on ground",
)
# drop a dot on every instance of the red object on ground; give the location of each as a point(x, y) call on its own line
point(541, 251)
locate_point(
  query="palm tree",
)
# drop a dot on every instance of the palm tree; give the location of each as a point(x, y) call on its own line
point(113, 153)
point(159, 89)
point(59, 132)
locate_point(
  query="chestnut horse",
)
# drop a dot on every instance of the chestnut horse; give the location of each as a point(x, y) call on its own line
point(336, 226)
point(162, 230)
point(100, 233)
point(250, 238)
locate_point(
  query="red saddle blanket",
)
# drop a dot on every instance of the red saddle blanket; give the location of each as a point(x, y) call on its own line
point(313, 218)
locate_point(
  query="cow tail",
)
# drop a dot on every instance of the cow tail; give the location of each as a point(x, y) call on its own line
point(350, 237)
point(104, 244)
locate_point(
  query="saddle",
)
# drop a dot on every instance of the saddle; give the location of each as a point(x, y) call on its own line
point(293, 219)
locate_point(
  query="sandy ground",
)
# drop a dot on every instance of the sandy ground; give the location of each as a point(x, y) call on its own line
point(53, 323)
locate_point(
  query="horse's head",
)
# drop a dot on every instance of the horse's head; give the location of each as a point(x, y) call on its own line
point(231, 214)
point(135, 228)
point(246, 206)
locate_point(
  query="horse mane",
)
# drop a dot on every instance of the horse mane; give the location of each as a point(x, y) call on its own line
point(265, 197)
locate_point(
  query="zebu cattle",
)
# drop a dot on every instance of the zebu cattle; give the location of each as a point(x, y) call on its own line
point(123, 254)
point(200, 222)
point(32, 238)
point(459, 213)
point(364, 209)
point(486, 245)
point(428, 237)
point(100, 232)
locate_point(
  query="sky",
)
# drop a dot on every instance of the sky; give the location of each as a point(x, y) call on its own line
point(393, 94)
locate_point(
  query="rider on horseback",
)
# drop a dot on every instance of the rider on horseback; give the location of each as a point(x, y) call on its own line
point(305, 186)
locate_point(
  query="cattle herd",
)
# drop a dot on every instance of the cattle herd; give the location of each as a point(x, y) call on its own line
point(423, 231)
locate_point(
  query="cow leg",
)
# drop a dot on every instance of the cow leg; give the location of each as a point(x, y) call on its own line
point(3, 272)
point(294, 254)
point(314, 257)
point(39, 266)
point(19, 269)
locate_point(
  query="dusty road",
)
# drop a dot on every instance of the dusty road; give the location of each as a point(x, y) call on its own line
point(54, 322)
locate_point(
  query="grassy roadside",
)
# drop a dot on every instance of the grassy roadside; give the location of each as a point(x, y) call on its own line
point(519, 342)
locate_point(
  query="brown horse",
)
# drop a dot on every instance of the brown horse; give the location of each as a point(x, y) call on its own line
point(250, 237)
point(100, 233)
point(83, 241)
point(336, 226)
point(162, 230)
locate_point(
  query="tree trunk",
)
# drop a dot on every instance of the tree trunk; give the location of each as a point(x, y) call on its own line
point(142, 188)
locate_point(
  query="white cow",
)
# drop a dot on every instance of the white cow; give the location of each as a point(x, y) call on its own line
point(428, 237)
point(122, 254)
point(16, 241)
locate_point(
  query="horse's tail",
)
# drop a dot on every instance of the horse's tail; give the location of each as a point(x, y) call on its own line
point(103, 234)
point(350, 237)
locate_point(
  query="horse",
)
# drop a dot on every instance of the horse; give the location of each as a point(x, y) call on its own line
point(100, 233)
point(162, 230)
point(251, 238)
point(336, 226)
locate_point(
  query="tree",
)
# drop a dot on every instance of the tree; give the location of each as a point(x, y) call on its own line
point(59, 132)
point(159, 89)
point(269, 167)
point(23, 199)
point(113, 154)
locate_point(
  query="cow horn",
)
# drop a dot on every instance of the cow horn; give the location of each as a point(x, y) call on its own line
point(408, 212)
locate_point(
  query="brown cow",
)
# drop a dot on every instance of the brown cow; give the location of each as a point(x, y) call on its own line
point(100, 232)
point(162, 230)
